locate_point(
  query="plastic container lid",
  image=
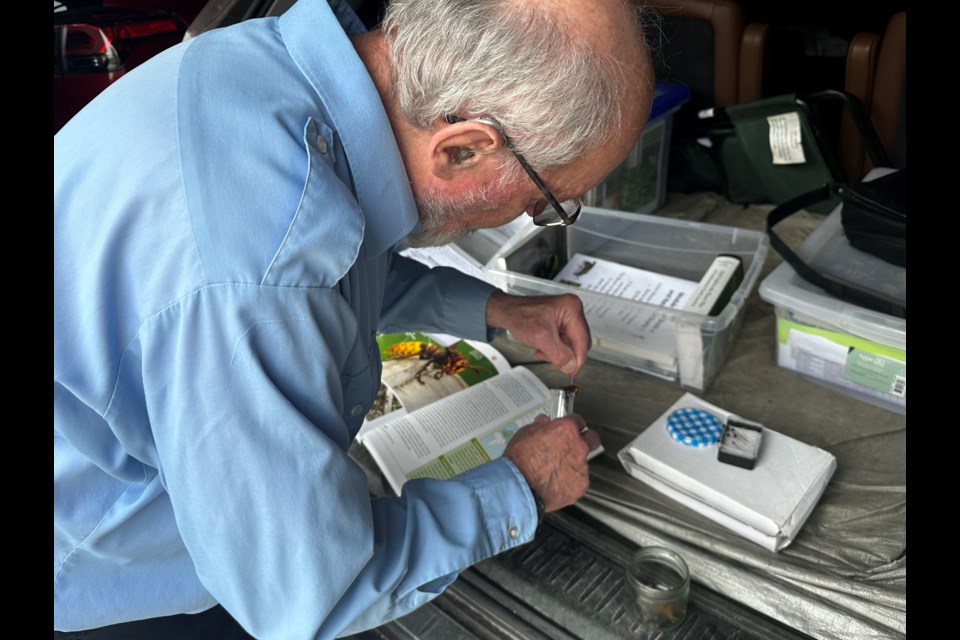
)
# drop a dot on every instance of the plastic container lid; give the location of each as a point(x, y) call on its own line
point(669, 96)
point(694, 427)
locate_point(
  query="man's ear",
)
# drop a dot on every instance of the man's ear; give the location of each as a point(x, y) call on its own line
point(463, 146)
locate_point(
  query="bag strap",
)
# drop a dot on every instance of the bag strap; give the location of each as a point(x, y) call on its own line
point(837, 287)
point(861, 120)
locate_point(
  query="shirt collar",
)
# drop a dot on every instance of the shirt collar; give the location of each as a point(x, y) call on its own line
point(316, 33)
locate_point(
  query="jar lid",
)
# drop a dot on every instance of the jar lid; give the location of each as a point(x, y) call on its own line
point(694, 427)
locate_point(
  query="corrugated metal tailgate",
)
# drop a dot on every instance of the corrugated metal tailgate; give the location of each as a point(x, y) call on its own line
point(567, 584)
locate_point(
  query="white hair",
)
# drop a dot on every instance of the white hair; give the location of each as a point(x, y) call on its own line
point(437, 208)
point(553, 93)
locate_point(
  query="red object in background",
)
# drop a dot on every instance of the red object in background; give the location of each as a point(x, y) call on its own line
point(94, 44)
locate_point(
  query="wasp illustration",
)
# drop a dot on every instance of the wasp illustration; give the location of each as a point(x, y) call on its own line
point(585, 267)
point(444, 360)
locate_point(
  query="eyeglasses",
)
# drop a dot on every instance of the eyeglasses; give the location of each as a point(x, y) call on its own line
point(562, 214)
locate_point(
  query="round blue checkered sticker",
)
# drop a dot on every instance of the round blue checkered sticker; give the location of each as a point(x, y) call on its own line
point(694, 427)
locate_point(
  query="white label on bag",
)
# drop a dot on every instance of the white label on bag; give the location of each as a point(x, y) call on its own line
point(786, 139)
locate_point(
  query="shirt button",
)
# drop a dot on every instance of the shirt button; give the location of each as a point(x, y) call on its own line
point(513, 532)
point(357, 410)
point(321, 144)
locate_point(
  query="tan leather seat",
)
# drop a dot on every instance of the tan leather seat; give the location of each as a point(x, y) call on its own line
point(753, 46)
point(889, 90)
point(876, 73)
point(725, 20)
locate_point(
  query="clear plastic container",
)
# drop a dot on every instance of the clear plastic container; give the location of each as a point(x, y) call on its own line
point(859, 352)
point(687, 347)
point(639, 183)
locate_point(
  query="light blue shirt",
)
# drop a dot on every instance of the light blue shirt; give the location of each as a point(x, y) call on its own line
point(223, 225)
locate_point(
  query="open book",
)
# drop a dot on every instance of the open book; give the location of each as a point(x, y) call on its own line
point(445, 406)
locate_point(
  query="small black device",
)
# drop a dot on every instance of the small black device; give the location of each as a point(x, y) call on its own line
point(740, 443)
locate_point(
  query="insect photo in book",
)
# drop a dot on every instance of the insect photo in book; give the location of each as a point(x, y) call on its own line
point(444, 361)
point(419, 369)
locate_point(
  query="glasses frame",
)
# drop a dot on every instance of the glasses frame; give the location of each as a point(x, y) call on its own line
point(565, 219)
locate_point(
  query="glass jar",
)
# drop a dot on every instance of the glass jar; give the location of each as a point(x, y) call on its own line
point(658, 585)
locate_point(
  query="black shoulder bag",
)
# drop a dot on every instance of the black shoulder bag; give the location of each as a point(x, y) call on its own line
point(874, 216)
point(874, 219)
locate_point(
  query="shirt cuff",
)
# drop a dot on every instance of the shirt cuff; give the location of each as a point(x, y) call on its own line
point(509, 510)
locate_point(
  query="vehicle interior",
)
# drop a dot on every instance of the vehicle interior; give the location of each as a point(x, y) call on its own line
point(844, 577)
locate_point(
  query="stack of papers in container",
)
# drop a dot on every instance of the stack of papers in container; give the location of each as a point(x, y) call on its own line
point(767, 504)
point(638, 330)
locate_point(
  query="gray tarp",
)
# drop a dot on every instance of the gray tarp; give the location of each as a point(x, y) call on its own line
point(844, 576)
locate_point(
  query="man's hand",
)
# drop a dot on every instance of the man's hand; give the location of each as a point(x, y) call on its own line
point(552, 456)
point(553, 325)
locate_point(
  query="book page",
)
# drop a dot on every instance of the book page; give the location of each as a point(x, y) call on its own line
point(622, 281)
point(460, 432)
point(420, 368)
point(447, 256)
point(642, 332)
point(470, 253)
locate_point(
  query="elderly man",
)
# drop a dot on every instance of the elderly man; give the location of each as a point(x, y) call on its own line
point(224, 219)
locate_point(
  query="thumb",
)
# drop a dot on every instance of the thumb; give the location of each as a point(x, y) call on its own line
point(592, 438)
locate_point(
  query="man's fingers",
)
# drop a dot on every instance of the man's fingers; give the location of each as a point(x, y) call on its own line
point(552, 456)
point(553, 325)
point(592, 438)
